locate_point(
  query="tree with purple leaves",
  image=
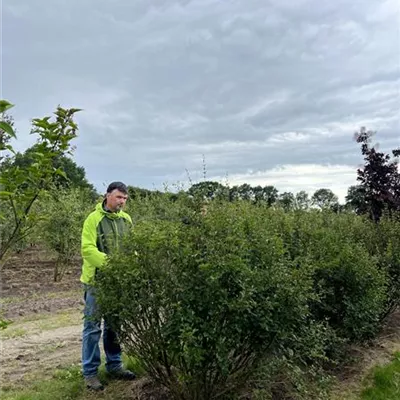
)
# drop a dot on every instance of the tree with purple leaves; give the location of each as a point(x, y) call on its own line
point(379, 177)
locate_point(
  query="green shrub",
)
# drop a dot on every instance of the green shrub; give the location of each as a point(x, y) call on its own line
point(296, 368)
point(201, 303)
point(218, 296)
point(350, 284)
point(63, 215)
point(351, 290)
point(383, 242)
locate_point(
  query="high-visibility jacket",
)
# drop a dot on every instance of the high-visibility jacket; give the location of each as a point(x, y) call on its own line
point(101, 233)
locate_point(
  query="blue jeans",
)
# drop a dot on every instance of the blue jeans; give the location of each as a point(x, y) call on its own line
point(91, 338)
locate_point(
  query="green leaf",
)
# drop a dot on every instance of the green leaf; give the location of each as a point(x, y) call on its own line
point(61, 173)
point(7, 128)
point(39, 155)
point(5, 194)
point(41, 124)
point(75, 110)
point(5, 105)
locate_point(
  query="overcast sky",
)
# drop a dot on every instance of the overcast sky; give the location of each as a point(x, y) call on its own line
point(269, 91)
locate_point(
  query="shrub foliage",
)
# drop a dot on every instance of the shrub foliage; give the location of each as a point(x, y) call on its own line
point(205, 297)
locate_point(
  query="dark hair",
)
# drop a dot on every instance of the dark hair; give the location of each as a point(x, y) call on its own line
point(117, 185)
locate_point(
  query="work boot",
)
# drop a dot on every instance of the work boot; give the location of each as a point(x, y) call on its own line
point(122, 374)
point(93, 383)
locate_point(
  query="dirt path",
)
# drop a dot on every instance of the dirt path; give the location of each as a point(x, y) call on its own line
point(39, 353)
point(34, 357)
point(46, 328)
point(379, 352)
point(46, 317)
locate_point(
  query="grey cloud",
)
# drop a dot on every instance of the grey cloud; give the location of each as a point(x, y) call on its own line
point(163, 82)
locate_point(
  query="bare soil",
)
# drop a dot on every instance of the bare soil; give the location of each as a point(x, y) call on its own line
point(41, 352)
point(37, 342)
point(27, 285)
point(379, 352)
point(28, 296)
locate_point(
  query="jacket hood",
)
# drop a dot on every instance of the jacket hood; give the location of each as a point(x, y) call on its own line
point(117, 214)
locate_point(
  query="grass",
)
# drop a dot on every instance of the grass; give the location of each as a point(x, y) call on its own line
point(385, 382)
point(66, 294)
point(12, 332)
point(65, 318)
point(41, 322)
point(10, 300)
point(68, 384)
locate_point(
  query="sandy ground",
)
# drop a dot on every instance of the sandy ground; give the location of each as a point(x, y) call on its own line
point(41, 353)
point(45, 333)
point(46, 317)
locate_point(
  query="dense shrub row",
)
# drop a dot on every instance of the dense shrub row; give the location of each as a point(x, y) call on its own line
point(235, 298)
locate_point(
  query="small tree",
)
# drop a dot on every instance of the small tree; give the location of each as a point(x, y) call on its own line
point(76, 175)
point(355, 199)
point(265, 195)
point(7, 130)
point(258, 194)
point(246, 192)
point(302, 202)
point(209, 190)
point(64, 215)
point(287, 201)
point(270, 195)
point(20, 187)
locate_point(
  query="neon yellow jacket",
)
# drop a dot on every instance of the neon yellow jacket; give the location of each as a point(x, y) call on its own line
point(101, 233)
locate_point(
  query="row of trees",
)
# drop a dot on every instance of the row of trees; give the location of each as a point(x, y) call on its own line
point(267, 195)
point(378, 190)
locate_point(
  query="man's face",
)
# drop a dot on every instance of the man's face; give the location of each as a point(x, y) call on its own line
point(116, 200)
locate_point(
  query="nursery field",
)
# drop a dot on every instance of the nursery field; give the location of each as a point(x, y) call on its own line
point(41, 346)
point(217, 292)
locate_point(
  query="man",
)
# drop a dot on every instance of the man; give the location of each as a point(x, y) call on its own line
point(102, 230)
